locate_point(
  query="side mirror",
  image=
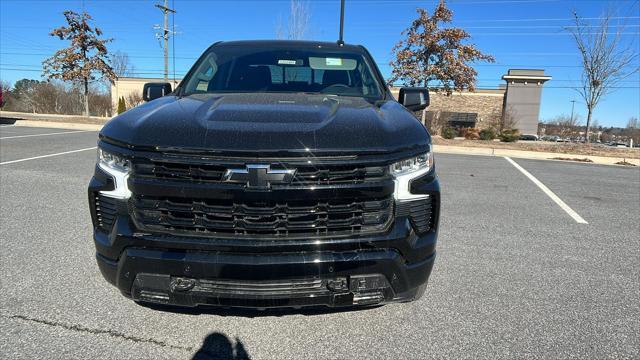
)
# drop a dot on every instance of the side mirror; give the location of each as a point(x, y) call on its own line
point(152, 91)
point(414, 98)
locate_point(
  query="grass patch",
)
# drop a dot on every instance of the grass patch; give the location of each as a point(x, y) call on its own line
point(625, 163)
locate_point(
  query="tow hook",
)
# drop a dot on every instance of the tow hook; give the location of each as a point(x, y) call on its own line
point(337, 285)
point(182, 284)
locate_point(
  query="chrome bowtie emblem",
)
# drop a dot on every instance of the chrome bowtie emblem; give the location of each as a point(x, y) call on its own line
point(259, 176)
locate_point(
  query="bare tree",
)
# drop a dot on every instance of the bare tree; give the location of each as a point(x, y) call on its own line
point(5, 91)
point(85, 59)
point(633, 123)
point(606, 59)
point(121, 65)
point(133, 99)
point(435, 121)
point(509, 118)
point(563, 126)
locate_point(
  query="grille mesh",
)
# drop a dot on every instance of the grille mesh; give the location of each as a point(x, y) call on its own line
point(277, 219)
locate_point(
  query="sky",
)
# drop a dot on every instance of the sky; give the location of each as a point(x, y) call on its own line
point(518, 33)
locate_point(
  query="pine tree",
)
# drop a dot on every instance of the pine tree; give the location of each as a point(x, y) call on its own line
point(121, 105)
point(85, 59)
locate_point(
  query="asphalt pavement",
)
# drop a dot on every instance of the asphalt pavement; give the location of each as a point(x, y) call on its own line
point(516, 276)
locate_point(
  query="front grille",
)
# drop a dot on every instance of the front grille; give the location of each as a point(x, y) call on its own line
point(420, 213)
point(105, 211)
point(214, 173)
point(295, 218)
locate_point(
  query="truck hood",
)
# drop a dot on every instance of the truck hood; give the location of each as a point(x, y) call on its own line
point(269, 123)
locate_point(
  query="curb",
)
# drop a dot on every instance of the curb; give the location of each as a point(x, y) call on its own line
point(533, 155)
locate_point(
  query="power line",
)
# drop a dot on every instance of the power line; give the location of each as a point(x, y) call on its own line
point(157, 73)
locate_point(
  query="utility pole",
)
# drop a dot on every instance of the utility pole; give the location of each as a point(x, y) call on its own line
point(165, 35)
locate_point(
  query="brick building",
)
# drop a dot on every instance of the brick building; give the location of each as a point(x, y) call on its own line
point(517, 101)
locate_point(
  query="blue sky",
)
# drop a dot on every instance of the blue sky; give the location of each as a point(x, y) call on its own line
point(519, 33)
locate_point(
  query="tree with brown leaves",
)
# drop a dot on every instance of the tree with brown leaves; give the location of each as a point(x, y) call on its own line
point(86, 58)
point(432, 52)
point(606, 59)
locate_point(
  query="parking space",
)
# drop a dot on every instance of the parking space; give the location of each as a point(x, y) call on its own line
point(24, 143)
point(16, 130)
point(515, 276)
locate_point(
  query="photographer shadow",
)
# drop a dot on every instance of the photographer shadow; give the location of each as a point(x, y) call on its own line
point(217, 346)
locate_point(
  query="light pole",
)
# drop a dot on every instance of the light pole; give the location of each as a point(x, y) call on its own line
point(573, 105)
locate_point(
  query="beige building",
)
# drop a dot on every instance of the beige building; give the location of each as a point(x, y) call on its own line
point(131, 90)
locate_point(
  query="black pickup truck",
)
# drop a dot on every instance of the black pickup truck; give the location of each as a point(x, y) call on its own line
point(276, 174)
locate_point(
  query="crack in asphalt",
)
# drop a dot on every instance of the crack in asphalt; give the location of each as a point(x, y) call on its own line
point(112, 333)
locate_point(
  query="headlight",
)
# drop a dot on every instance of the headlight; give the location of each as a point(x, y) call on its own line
point(118, 167)
point(407, 166)
point(114, 161)
point(408, 169)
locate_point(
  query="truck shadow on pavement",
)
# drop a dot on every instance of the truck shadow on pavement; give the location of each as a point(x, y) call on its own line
point(219, 347)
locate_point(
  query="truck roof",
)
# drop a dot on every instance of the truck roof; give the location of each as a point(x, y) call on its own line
point(288, 44)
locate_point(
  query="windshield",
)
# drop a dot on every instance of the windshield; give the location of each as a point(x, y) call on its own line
point(259, 70)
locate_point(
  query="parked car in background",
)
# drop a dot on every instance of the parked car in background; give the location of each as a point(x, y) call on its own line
point(529, 137)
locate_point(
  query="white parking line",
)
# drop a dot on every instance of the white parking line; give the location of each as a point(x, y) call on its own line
point(46, 156)
point(549, 193)
point(46, 134)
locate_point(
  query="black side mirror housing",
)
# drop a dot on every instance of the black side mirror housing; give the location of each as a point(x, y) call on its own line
point(152, 91)
point(414, 98)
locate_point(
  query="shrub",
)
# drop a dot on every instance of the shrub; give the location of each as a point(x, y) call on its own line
point(449, 133)
point(121, 105)
point(487, 134)
point(509, 135)
point(470, 133)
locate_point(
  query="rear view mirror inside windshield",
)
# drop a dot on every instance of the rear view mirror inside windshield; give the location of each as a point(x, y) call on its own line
point(332, 63)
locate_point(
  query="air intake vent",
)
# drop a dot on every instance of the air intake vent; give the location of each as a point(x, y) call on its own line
point(105, 211)
point(419, 212)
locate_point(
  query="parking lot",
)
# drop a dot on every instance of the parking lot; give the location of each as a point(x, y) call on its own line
point(517, 275)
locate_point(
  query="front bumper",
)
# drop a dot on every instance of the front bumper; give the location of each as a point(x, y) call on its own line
point(280, 280)
point(192, 271)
